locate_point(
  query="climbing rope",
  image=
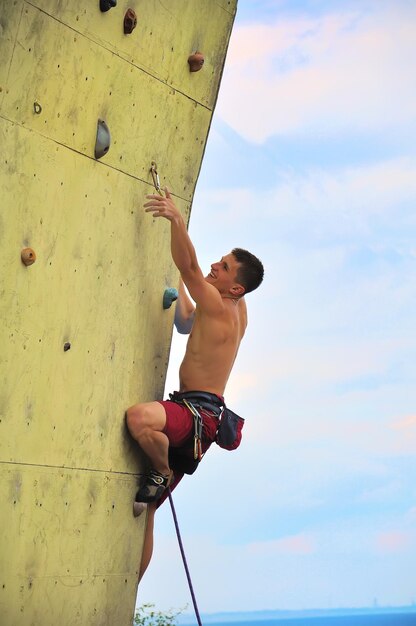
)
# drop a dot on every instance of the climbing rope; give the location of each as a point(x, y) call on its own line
point(185, 564)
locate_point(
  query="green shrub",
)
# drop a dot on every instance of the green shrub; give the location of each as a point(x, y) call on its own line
point(146, 615)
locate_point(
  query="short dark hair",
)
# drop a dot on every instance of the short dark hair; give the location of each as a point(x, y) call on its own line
point(251, 271)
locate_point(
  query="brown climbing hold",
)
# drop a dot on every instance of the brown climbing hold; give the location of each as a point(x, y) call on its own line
point(130, 21)
point(196, 61)
point(28, 256)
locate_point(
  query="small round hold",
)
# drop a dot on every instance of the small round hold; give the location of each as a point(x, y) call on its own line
point(37, 108)
point(67, 346)
point(196, 61)
point(170, 295)
point(130, 21)
point(28, 256)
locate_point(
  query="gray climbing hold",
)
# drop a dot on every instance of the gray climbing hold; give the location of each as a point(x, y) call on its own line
point(139, 508)
point(103, 140)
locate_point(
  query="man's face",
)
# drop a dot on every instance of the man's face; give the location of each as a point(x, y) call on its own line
point(223, 274)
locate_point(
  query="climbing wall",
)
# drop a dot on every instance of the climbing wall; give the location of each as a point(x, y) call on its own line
point(83, 333)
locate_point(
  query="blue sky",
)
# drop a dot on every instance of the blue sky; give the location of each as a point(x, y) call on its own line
point(310, 164)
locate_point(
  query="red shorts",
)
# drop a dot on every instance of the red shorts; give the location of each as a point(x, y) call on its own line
point(179, 429)
point(179, 425)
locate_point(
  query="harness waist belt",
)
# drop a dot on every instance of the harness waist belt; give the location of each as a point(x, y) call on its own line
point(203, 399)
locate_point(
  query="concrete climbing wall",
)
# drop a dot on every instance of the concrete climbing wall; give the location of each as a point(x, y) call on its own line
point(83, 332)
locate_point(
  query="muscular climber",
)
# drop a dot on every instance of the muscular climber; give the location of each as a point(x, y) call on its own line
point(167, 431)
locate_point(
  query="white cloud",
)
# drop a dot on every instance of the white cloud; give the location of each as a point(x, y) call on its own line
point(393, 541)
point(343, 203)
point(340, 72)
point(300, 544)
point(387, 492)
point(407, 423)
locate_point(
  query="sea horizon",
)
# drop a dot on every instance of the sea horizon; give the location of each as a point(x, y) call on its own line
point(356, 616)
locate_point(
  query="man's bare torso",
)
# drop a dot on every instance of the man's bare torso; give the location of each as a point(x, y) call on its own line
point(212, 348)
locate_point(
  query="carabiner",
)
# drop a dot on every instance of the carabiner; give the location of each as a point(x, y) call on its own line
point(156, 179)
point(197, 448)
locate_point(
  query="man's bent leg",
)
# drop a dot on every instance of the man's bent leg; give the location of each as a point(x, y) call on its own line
point(145, 423)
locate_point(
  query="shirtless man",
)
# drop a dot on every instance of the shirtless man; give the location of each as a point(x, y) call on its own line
point(216, 327)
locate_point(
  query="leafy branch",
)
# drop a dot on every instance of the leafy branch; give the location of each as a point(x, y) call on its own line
point(146, 615)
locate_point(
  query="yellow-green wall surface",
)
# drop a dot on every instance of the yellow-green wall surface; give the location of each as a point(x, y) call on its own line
point(69, 545)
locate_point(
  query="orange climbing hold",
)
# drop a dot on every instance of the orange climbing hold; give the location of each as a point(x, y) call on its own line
point(28, 256)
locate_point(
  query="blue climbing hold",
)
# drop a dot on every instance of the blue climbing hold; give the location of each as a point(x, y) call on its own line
point(170, 295)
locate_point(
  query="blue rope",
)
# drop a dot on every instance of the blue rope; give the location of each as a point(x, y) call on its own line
point(185, 564)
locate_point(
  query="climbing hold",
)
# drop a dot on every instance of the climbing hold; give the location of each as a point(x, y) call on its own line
point(196, 61)
point(130, 21)
point(28, 256)
point(138, 508)
point(170, 295)
point(106, 5)
point(102, 142)
point(67, 346)
point(37, 108)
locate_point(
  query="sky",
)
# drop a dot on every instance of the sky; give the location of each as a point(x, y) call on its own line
point(311, 165)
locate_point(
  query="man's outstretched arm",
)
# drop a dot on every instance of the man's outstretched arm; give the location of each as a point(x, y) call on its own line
point(183, 252)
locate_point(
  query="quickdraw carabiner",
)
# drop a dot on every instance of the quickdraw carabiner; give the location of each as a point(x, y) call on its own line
point(156, 179)
point(197, 429)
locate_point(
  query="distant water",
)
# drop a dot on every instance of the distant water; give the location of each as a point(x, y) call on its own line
point(398, 619)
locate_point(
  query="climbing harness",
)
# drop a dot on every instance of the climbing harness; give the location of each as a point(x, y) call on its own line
point(185, 564)
point(230, 426)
